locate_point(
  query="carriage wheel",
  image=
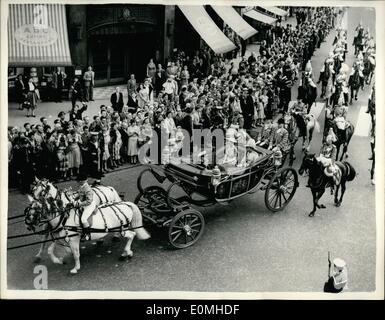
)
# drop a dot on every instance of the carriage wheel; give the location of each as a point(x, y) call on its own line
point(154, 199)
point(186, 228)
point(281, 189)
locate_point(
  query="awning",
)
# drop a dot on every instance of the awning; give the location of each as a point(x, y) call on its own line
point(207, 29)
point(37, 35)
point(260, 17)
point(275, 10)
point(235, 21)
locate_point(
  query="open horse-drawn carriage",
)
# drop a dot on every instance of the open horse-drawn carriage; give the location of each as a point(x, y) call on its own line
point(168, 203)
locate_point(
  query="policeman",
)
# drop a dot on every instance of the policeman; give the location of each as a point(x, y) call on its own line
point(84, 200)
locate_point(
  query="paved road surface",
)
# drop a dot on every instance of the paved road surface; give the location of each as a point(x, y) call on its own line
point(244, 247)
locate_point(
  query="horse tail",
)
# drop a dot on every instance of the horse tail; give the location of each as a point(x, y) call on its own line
point(351, 172)
point(137, 223)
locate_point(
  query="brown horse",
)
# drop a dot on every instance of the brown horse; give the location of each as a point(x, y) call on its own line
point(318, 181)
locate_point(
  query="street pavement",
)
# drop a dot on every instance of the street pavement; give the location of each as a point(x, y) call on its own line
point(244, 248)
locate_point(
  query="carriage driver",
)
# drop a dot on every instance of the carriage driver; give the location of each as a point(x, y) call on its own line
point(84, 200)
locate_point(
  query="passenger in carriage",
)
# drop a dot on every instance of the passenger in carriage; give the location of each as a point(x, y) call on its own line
point(280, 139)
point(265, 134)
point(252, 155)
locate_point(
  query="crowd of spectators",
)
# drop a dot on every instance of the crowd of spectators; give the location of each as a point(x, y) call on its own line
point(192, 91)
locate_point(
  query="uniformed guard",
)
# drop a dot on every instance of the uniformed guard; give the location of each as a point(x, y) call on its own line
point(84, 200)
point(338, 276)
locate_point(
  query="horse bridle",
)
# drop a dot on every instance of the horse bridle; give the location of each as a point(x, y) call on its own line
point(45, 188)
point(56, 210)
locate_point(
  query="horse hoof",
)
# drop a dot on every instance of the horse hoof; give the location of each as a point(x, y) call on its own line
point(338, 204)
point(37, 260)
point(124, 258)
point(311, 214)
point(73, 271)
point(322, 206)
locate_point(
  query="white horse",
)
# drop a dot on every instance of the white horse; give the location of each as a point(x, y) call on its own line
point(44, 189)
point(102, 194)
point(64, 221)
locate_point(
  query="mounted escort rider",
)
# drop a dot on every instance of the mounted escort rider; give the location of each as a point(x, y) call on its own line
point(326, 77)
point(327, 157)
point(356, 79)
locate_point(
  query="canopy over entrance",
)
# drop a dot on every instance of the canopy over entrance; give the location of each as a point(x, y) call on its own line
point(37, 35)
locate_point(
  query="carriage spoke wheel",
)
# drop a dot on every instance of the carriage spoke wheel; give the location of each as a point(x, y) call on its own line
point(186, 228)
point(154, 199)
point(281, 189)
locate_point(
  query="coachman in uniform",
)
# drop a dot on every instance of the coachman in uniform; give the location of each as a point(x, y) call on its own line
point(84, 201)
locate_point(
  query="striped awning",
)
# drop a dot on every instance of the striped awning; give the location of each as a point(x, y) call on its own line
point(235, 21)
point(38, 35)
point(207, 29)
point(260, 17)
point(275, 10)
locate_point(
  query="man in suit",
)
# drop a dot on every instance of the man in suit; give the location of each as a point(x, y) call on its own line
point(280, 139)
point(58, 78)
point(160, 78)
point(131, 85)
point(89, 82)
point(248, 110)
point(117, 100)
point(20, 91)
point(77, 93)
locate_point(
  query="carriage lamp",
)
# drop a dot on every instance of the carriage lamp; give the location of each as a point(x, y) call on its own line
point(216, 176)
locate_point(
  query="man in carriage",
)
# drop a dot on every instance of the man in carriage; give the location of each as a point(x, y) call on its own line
point(264, 135)
point(279, 141)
